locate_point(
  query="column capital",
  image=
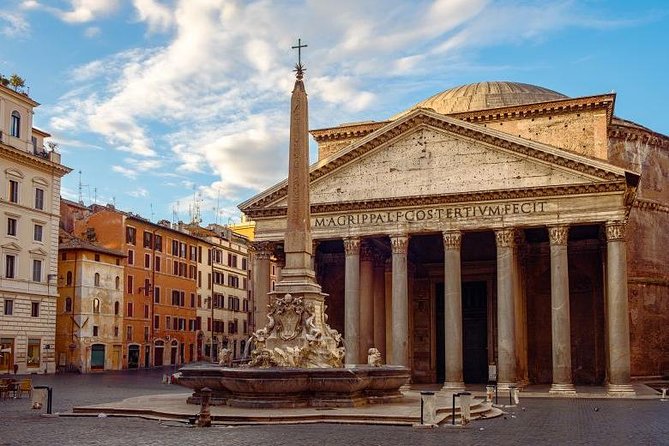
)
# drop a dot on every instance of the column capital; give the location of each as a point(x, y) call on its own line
point(399, 243)
point(505, 238)
point(262, 250)
point(452, 239)
point(558, 234)
point(615, 231)
point(352, 246)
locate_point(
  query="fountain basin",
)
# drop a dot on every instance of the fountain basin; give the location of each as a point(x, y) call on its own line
point(284, 387)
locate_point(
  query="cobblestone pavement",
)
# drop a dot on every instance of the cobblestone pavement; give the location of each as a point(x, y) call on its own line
point(534, 422)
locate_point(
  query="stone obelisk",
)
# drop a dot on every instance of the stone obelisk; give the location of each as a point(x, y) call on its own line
point(297, 334)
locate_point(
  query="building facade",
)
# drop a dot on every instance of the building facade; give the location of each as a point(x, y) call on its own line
point(90, 310)
point(488, 228)
point(29, 215)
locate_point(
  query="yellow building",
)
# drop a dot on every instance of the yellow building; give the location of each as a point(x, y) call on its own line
point(29, 215)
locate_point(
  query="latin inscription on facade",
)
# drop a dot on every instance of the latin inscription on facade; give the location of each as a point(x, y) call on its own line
point(432, 214)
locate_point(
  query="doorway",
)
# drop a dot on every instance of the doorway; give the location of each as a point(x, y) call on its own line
point(97, 357)
point(133, 356)
point(475, 331)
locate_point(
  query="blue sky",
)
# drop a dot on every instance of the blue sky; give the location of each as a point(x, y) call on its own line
point(165, 103)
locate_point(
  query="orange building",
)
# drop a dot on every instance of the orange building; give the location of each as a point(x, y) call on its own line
point(160, 273)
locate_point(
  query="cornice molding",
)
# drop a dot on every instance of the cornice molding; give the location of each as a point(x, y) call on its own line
point(630, 133)
point(650, 205)
point(422, 118)
point(30, 160)
point(434, 200)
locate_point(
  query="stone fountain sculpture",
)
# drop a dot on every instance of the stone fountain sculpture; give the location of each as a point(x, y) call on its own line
point(298, 359)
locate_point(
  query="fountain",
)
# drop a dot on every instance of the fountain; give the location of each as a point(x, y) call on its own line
point(298, 359)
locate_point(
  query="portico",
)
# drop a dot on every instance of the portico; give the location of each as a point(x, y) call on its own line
point(451, 247)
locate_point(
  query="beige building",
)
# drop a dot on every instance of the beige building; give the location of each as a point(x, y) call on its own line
point(89, 321)
point(29, 202)
point(223, 291)
point(488, 228)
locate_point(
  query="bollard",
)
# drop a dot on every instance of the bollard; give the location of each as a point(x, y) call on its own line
point(428, 412)
point(512, 391)
point(465, 407)
point(516, 395)
point(204, 417)
point(489, 391)
point(39, 395)
point(664, 394)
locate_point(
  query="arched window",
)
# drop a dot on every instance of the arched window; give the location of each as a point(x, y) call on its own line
point(68, 279)
point(117, 307)
point(96, 280)
point(96, 305)
point(68, 304)
point(117, 282)
point(16, 124)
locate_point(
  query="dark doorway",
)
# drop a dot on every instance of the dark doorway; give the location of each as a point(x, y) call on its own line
point(147, 356)
point(97, 357)
point(439, 314)
point(158, 356)
point(133, 356)
point(475, 331)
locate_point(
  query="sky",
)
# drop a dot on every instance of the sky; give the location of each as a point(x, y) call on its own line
point(169, 106)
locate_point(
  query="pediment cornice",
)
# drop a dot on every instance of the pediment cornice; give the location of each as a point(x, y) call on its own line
point(599, 171)
point(468, 197)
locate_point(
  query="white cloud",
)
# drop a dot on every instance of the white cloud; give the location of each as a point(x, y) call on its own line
point(92, 31)
point(139, 192)
point(83, 11)
point(158, 17)
point(13, 24)
point(126, 172)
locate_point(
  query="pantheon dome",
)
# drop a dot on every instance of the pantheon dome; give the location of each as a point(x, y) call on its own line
point(485, 95)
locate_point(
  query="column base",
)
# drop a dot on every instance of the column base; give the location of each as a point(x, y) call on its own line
point(562, 389)
point(452, 387)
point(620, 390)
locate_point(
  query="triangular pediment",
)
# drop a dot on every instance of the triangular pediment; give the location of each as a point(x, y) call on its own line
point(11, 246)
point(426, 154)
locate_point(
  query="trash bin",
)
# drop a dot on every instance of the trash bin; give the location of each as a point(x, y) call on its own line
point(39, 397)
point(465, 407)
point(428, 408)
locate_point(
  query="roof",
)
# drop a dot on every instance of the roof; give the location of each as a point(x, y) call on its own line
point(483, 96)
point(76, 243)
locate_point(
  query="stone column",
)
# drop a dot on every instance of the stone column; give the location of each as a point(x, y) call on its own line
point(506, 334)
point(560, 321)
point(520, 299)
point(352, 300)
point(379, 298)
point(400, 303)
point(366, 301)
point(262, 251)
point(617, 313)
point(453, 312)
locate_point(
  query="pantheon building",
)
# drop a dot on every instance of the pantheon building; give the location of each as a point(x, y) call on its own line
point(494, 230)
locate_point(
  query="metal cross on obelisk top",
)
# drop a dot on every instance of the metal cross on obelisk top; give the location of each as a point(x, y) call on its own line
point(299, 69)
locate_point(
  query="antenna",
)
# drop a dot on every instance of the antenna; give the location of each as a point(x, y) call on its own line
point(175, 214)
point(151, 207)
point(95, 195)
point(217, 209)
point(81, 190)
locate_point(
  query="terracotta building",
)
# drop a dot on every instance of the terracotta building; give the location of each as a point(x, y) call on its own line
point(160, 270)
point(89, 313)
point(29, 213)
point(494, 227)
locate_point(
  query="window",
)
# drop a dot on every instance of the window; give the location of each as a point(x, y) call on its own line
point(131, 257)
point(147, 260)
point(37, 270)
point(158, 242)
point(11, 226)
point(68, 304)
point(117, 282)
point(96, 279)
point(129, 313)
point(96, 305)
point(148, 239)
point(9, 307)
point(167, 322)
point(130, 284)
point(156, 264)
point(117, 308)
point(95, 330)
point(68, 278)
point(97, 257)
point(34, 309)
point(146, 333)
point(33, 359)
point(16, 124)
point(146, 311)
point(128, 333)
point(192, 299)
point(156, 294)
point(130, 235)
point(147, 287)
point(116, 331)
point(13, 191)
point(156, 322)
point(39, 198)
point(244, 267)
